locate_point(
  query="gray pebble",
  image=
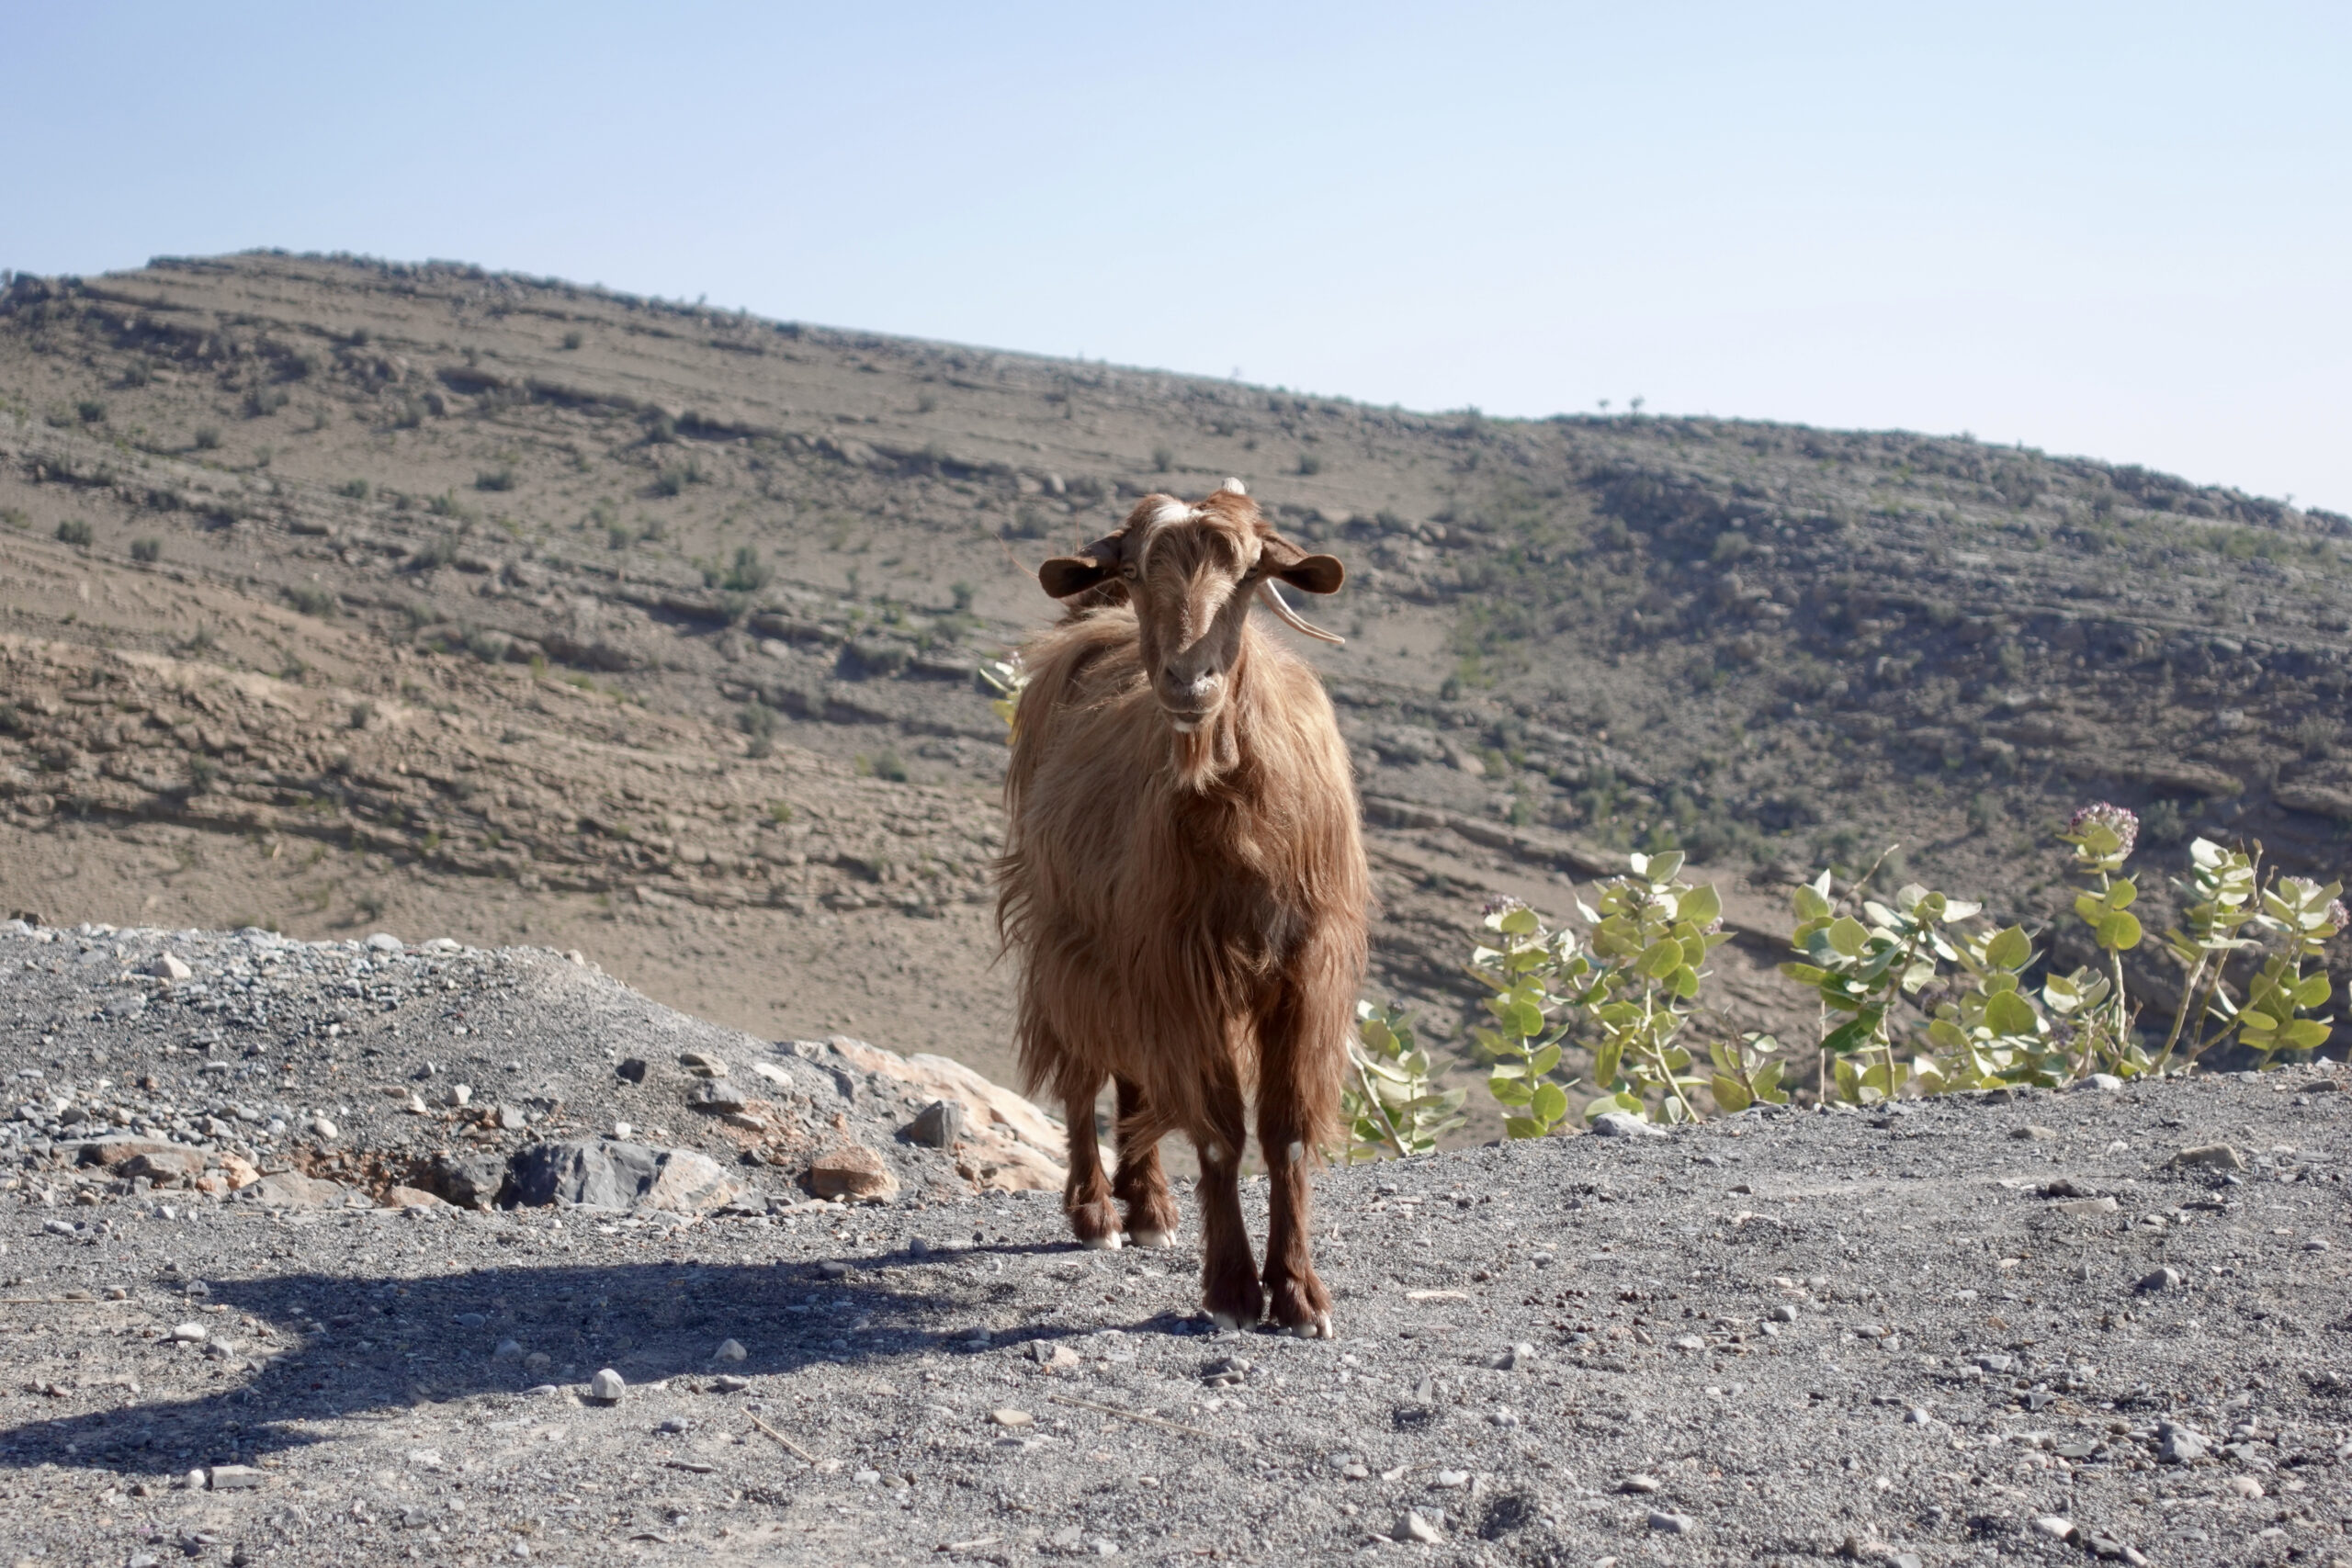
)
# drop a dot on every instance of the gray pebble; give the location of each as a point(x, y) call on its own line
point(606, 1385)
point(1673, 1524)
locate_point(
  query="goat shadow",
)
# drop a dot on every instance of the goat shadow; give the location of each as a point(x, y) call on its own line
point(394, 1344)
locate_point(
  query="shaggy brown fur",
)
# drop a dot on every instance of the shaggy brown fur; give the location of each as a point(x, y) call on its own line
point(1185, 878)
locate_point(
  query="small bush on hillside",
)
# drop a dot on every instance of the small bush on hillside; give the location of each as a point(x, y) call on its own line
point(749, 573)
point(90, 411)
point(1392, 1107)
point(573, 340)
point(74, 531)
point(319, 601)
point(1162, 459)
point(499, 478)
point(15, 517)
point(147, 551)
point(1309, 464)
point(207, 437)
point(262, 402)
point(1919, 995)
point(357, 489)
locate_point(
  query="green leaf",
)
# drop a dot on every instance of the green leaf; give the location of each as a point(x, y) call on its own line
point(1509, 1091)
point(2312, 992)
point(1521, 921)
point(2306, 1034)
point(1523, 1017)
point(2122, 892)
point(2120, 932)
point(1661, 958)
point(2007, 1013)
point(1853, 1034)
point(1804, 974)
point(1684, 983)
point(2009, 950)
point(1521, 1127)
point(1703, 906)
point(1543, 1061)
point(1731, 1095)
point(1662, 867)
point(1810, 903)
point(1768, 1084)
point(1551, 1102)
point(1847, 936)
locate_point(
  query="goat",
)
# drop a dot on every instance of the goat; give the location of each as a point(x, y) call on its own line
point(1184, 877)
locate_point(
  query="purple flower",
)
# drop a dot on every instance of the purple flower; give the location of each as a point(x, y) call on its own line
point(2123, 824)
point(2338, 917)
point(1502, 904)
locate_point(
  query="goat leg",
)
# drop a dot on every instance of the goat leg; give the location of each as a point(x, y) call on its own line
point(1087, 1197)
point(1140, 1186)
point(1229, 1287)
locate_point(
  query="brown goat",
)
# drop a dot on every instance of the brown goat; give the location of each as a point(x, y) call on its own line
point(1183, 876)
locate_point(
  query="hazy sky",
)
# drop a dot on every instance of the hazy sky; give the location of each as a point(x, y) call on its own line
point(2122, 230)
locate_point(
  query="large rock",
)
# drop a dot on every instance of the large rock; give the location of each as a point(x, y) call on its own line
point(470, 1181)
point(1005, 1144)
point(165, 1165)
point(605, 1173)
point(852, 1172)
point(292, 1189)
point(116, 1152)
point(690, 1183)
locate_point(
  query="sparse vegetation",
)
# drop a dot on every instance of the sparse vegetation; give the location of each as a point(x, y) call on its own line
point(207, 437)
point(75, 531)
point(147, 551)
point(320, 601)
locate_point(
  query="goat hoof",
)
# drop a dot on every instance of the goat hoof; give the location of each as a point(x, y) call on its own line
point(1319, 1329)
point(1149, 1238)
point(1226, 1322)
point(1102, 1243)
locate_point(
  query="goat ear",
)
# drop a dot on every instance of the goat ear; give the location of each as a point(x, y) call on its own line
point(1311, 574)
point(1065, 575)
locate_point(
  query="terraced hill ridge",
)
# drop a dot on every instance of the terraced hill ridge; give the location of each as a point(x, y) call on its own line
point(445, 495)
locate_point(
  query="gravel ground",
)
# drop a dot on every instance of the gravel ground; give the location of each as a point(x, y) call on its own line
point(1937, 1336)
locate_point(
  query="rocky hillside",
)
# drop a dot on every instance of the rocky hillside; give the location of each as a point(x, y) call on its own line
point(652, 599)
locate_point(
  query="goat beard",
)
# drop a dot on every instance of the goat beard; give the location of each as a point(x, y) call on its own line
point(1207, 750)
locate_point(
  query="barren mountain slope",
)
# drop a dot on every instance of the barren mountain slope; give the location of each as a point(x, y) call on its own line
point(428, 487)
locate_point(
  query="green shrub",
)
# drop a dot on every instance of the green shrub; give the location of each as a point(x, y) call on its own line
point(357, 489)
point(1392, 1107)
point(91, 411)
point(320, 601)
point(262, 402)
point(15, 517)
point(1162, 459)
point(573, 340)
point(500, 478)
point(147, 551)
point(749, 573)
point(74, 531)
point(207, 437)
point(1309, 463)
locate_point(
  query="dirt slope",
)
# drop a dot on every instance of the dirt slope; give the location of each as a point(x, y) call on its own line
point(678, 550)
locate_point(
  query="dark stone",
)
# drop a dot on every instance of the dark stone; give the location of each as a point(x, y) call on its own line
point(936, 1125)
point(632, 1069)
point(717, 1097)
point(470, 1181)
point(598, 1172)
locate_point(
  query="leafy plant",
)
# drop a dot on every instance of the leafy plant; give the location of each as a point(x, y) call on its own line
point(749, 573)
point(147, 551)
point(1624, 994)
point(74, 531)
point(1392, 1107)
point(2227, 895)
point(1007, 679)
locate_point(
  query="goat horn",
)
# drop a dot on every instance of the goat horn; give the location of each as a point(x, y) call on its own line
point(1292, 619)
